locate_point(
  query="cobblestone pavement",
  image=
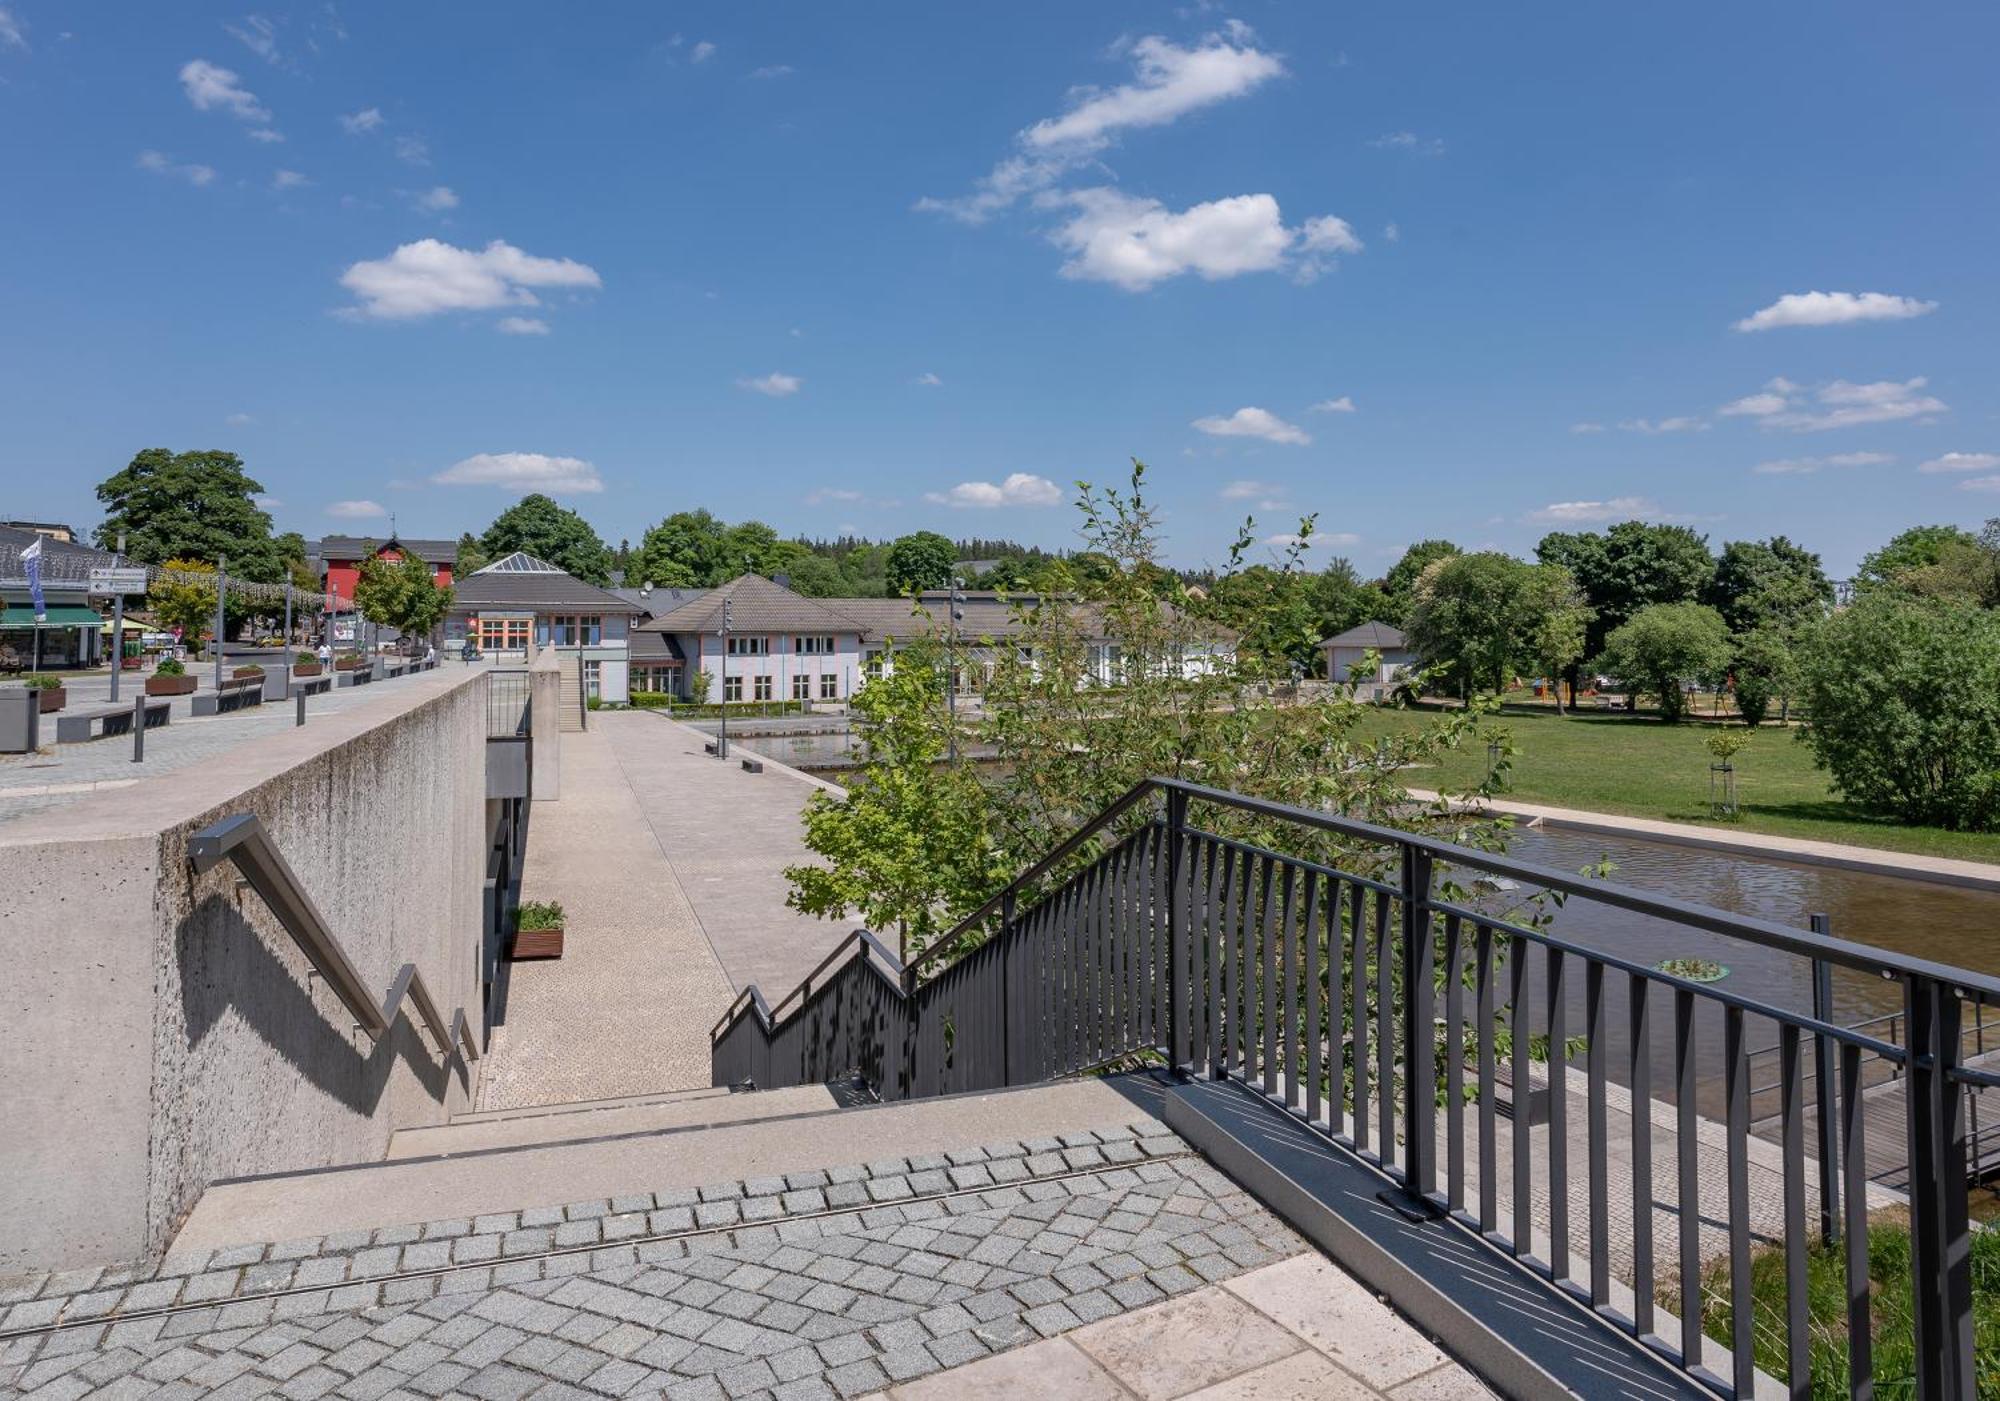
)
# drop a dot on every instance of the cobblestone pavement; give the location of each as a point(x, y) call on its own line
point(828, 1283)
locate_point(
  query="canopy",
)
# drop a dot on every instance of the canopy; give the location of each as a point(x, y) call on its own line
point(24, 617)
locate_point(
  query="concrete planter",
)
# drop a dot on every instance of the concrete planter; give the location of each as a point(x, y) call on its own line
point(537, 943)
point(170, 685)
point(20, 721)
point(53, 698)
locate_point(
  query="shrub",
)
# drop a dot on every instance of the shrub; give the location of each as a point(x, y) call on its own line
point(304, 658)
point(1764, 670)
point(651, 700)
point(42, 681)
point(169, 667)
point(539, 914)
point(1904, 699)
point(593, 702)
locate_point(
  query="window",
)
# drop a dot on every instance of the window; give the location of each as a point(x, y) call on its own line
point(732, 690)
point(801, 686)
point(829, 685)
point(873, 666)
point(749, 646)
point(590, 678)
point(763, 687)
point(576, 630)
point(503, 634)
point(813, 646)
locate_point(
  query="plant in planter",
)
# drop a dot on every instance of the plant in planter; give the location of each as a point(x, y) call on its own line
point(53, 696)
point(538, 930)
point(243, 672)
point(1695, 970)
point(346, 661)
point(169, 678)
point(1725, 745)
point(305, 664)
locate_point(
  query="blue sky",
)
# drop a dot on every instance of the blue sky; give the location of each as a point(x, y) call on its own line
point(1472, 271)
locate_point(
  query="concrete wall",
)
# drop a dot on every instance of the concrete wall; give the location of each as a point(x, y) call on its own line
point(161, 1030)
point(545, 722)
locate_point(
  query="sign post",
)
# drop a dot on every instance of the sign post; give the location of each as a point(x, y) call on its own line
point(221, 595)
point(117, 582)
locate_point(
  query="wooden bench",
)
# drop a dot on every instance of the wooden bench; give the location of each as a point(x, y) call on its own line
point(105, 721)
point(237, 693)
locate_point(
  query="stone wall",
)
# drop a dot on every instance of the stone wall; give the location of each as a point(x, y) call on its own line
point(161, 1029)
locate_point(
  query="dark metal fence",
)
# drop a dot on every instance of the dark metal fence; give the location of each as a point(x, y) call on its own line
point(506, 704)
point(1413, 1018)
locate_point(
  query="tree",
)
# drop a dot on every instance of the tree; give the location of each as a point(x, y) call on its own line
point(183, 597)
point(537, 525)
point(1556, 618)
point(1666, 644)
point(1769, 583)
point(190, 506)
point(816, 576)
point(470, 557)
point(402, 594)
point(1967, 571)
point(919, 561)
point(1467, 619)
point(1400, 584)
point(1764, 670)
point(1629, 567)
point(1919, 547)
point(1904, 700)
point(1340, 600)
point(684, 551)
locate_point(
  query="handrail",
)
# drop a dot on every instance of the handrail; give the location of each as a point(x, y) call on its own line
point(753, 997)
point(243, 840)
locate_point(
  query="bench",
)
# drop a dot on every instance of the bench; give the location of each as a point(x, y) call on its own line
point(313, 685)
point(354, 677)
point(237, 693)
point(105, 721)
point(753, 766)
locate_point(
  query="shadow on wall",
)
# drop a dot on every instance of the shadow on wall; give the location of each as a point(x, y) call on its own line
point(225, 964)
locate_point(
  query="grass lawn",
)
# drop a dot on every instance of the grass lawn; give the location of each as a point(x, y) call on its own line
point(1636, 765)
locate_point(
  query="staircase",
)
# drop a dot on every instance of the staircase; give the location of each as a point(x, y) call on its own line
point(569, 715)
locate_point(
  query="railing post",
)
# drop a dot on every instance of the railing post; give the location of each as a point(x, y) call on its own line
point(1940, 1261)
point(1419, 1029)
point(1007, 988)
point(1177, 1050)
point(1823, 1106)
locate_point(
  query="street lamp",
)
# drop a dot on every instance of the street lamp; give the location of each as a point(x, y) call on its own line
point(722, 740)
point(955, 617)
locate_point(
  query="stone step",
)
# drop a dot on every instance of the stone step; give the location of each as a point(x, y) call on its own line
point(588, 1106)
point(482, 1136)
point(371, 1196)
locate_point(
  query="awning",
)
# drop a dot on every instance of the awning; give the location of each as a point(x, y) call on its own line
point(24, 617)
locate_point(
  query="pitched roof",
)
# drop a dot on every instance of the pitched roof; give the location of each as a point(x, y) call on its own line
point(64, 562)
point(1380, 636)
point(355, 546)
point(522, 581)
point(756, 604)
point(655, 602)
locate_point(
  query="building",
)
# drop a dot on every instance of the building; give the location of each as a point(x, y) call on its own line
point(55, 530)
point(71, 632)
point(339, 559)
point(1347, 652)
point(521, 600)
point(656, 660)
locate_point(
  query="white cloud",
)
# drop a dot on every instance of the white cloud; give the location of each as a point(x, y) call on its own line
point(1330, 540)
point(429, 276)
point(1596, 512)
point(1834, 309)
point(1586, 428)
point(1980, 484)
point(258, 35)
point(288, 180)
point(1134, 243)
point(1020, 489)
point(361, 123)
point(1805, 466)
point(1247, 490)
point(773, 70)
point(1169, 81)
point(266, 135)
point(521, 326)
point(1682, 424)
point(776, 385)
point(1837, 405)
point(1344, 404)
point(356, 510)
point(209, 86)
point(702, 52)
point(1253, 422)
point(1392, 233)
point(411, 150)
point(266, 502)
point(239, 420)
point(1961, 462)
point(437, 199)
point(160, 164)
point(12, 34)
point(523, 471)
point(1409, 141)
point(822, 495)
point(928, 379)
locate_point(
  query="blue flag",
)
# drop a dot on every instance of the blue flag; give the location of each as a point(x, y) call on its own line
point(31, 560)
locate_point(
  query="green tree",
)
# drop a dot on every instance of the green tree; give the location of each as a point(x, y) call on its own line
point(537, 525)
point(470, 557)
point(1904, 705)
point(191, 506)
point(1399, 585)
point(402, 594)
point(1467, 619)
point(183, 597)
point(684, 551)
point(1555, 619)
point(1764, 670)
point(1919, 547)
point(1769, 583)
point(1629, 567)
point(918, 561)
point(1967, 570)
point(1340, 600)
point(816, 576)
point(1665, 644)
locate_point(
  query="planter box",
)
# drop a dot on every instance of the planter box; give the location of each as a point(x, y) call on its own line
point(347, 663)
point(244, 673)
point(537, 943)
point(304, 669)
point(53, 699)
point(170, 685)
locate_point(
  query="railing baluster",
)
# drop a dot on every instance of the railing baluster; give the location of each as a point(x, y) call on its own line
point(1688, 1180)
point(1419, 980)
point(1640, 1080)
point(1314, 1032)
point(1358, 985)
point(1288, 995)
point(1736, 1092)
point(1558, 1027)
point(1489, 1143)
point(1266, 1007)
point(1854, 1228)
point(1246, 981)
point(1521, 1126)
point(1940, 1259)
point(1210, 940)
point(1454, 1065)
point(1342, 941)
point(1385, 1032)
point(1228, 940)
point(1792, 1130)
point(1599, 1131)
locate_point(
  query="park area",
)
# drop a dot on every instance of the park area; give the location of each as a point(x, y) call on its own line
point(1642, 767)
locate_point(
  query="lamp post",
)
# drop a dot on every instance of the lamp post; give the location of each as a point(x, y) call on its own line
point(722, 739)
point(955, 617)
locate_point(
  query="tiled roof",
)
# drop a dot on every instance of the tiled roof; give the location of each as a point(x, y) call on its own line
point(522, 581)
point(657, 602)
point(756, 604)
point(1380, 636)
point(355, 546)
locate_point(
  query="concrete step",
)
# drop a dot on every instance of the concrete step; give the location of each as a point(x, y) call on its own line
point(369, 1196)
point(578, 1125)
point(587, 1106)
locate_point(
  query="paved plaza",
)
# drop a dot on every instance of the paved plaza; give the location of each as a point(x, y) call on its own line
point(1112, 1263)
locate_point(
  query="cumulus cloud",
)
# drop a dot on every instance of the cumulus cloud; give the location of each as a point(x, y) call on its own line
point(1682, 424)
point(1834, 309)
point(1840, 404)
point(521, 326)
point(1961, 462)
point(1344, 404)
point(361, 123)
point(429, 276)
point(775, 384)
point(1135, 243)
point(356, 510)
point(1805, 466)
point(523, 471)
point(210, 86)
point(437, 199)
point(1169, 81)
point(1020, 489)
point(1596, 512)
point(161, 164)
point(1253, 422)
point(1980, 484)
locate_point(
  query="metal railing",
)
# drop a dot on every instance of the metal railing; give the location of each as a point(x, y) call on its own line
point(1380, 1007)
point(243, 840)
point(507, 696)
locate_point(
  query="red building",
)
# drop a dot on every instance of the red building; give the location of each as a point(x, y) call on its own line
point(340, 558)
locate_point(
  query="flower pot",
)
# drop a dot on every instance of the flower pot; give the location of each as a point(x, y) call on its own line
point(53, 699)
point(538, 943)
point(170, 685)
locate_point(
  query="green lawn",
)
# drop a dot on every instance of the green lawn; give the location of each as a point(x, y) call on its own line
point(1636, 765)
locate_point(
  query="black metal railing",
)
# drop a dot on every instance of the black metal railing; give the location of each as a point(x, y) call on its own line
point(1402, 1009)
point(506, 703)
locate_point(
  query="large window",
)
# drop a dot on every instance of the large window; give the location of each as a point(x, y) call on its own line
point(873, 666)
point(813, 646)
point(503, 634)
point(749, 646)
point(801, 686)
point(576, 630)
point(732, 689)
point(829, 685)
point(761, 686)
